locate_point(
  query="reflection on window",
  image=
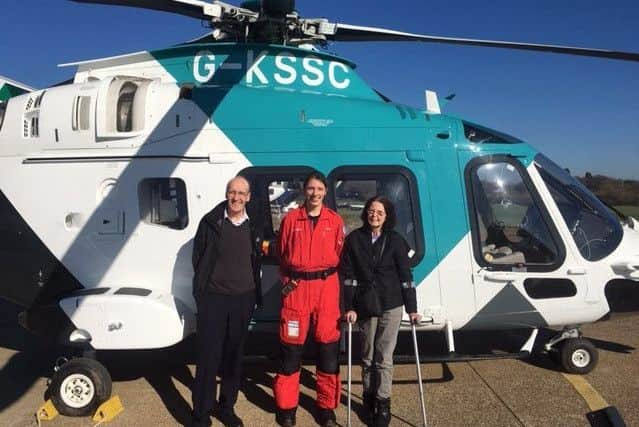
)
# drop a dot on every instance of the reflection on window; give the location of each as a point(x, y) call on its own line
point(284, 196)
point(352, 192)
point(595, 230)
point(511, 228)
point(275, 191)
point(163, 202)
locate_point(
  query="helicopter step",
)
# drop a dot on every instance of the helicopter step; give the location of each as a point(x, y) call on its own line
point(456, 357)
point(452, 356)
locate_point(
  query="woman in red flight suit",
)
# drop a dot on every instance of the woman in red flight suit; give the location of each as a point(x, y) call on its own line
point(311, 240)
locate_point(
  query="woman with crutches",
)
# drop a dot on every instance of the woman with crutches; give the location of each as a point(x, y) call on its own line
point(375, 271)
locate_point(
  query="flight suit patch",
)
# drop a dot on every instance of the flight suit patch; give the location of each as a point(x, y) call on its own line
point(293, 328)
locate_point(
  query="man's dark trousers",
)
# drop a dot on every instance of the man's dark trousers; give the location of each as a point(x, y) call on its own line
point(222, 324)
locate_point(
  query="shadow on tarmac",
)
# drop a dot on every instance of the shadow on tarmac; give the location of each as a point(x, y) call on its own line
point(34, 360)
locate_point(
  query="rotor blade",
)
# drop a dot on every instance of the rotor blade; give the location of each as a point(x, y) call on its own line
point(192, 8)
point(204, 38)
point(354, 33)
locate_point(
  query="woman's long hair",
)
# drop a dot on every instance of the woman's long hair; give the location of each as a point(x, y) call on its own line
point(391, 217)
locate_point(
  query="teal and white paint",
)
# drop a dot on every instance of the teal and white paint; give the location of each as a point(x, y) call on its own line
point(208, 111)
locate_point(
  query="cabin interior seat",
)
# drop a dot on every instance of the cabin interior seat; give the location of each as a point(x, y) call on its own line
point(495, 254)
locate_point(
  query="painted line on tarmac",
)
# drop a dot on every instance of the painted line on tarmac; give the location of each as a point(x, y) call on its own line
point(496, 395)
point(593, 399)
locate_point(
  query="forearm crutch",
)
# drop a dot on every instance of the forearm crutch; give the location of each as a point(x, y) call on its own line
point(350, 364)
point(419, 372)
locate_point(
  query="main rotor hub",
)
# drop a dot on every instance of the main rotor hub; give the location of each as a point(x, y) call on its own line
point(278, 8)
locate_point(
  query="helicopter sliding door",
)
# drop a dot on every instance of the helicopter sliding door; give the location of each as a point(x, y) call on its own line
point(276, 190)
point(522, 274)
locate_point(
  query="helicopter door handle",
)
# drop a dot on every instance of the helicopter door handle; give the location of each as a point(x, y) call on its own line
point(579, 271)
point(500, 277)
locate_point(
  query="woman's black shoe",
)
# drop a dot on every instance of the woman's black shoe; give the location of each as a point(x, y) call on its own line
point(382, 412)
point(368, 410)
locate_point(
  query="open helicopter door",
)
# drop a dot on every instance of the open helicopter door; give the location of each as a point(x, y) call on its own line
point(523, 274)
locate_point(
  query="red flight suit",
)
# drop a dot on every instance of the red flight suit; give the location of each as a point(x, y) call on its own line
point(304, 248)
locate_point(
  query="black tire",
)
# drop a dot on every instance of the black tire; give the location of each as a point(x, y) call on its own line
point(578, 356)
point(79, 387)
point(555, 354)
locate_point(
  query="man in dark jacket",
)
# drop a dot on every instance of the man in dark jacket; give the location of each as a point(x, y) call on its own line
point(226, 287)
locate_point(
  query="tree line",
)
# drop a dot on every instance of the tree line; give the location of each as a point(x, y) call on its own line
point(611, 190)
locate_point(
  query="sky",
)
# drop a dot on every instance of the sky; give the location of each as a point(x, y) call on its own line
point(581, 112)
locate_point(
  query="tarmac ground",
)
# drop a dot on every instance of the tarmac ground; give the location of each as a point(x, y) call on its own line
point(154, 386)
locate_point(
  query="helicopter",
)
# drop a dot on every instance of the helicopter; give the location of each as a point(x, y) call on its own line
point(105, 177)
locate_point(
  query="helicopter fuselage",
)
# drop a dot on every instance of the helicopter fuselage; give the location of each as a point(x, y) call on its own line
point(105, 179)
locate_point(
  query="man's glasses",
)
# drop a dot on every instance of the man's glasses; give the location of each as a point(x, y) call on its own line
point(372, 212)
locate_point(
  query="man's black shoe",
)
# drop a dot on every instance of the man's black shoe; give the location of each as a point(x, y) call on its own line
point(229, 418)
point(327, 418)
point(286, 417)
point(199, 421)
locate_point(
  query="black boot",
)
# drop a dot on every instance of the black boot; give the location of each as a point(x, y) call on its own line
point(326, 418)
point(229, 418)
point(382, 413)
point(286, 417)
point(368, 411)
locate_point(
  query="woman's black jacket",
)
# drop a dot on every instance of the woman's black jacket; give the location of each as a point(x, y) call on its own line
point(205, 249)
point(391, 275)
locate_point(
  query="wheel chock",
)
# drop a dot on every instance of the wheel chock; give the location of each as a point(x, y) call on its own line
point(47, 412)
point(606, 417)
point(108, 410)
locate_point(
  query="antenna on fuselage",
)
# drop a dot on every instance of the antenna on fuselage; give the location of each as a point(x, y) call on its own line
point(432, 103)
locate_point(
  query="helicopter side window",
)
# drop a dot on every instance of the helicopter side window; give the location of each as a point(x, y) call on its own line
point(353, 185)
point(511, 230)
point(284, 196)
point(481, 135)
point(274, 192)
point(595, 230)
point(162, 202)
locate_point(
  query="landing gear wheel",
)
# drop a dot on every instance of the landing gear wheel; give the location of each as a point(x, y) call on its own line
point(79, 386)
point(555, 354)
point(578, 356)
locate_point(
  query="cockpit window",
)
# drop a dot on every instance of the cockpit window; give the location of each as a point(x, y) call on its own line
point(481, 135)
point(594, 228)
point(510, 224)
